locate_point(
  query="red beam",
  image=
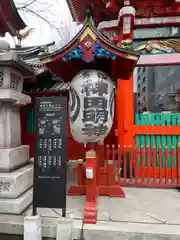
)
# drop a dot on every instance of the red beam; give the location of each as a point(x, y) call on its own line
point(153, 130)
point(159, 60)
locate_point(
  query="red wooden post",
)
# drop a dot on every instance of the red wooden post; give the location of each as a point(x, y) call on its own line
point(90, 212)
point(166, 164)
point(114, 189)
point(131, 162)
point(110, 167)
point(178, 163)
point(124, 162)
point(172, 164)
point(119, 164)
point(160, 165)
point(137, 153)
point(154, 163)
point(142, 159)
point(148, 149)
point(100, 150)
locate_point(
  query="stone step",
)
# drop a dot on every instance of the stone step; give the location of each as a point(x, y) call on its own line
point(13, 158)
point(18, 205)
point(13, 184)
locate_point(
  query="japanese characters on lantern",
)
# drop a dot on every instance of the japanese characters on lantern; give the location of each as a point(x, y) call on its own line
point(91, 106)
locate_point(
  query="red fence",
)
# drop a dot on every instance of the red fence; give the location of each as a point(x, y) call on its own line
point(144, 166)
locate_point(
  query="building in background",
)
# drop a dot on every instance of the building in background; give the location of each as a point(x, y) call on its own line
point(157, 88)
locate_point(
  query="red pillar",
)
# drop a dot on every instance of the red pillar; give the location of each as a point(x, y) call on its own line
point(125, 111)
point(90, 212)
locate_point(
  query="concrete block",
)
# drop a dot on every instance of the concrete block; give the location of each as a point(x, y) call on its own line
point(15, 183)
point(64, 229)
point(49, 227)
point(77, 226)
point(13, 157)
point(32, 228)
point(11, 224)
point(18, 205)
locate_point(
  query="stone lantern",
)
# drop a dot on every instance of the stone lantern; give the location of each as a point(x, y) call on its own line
point(16, 177)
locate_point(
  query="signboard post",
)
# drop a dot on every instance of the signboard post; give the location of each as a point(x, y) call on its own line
point(50, 154)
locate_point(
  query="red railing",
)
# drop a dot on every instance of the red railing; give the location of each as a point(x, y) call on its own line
point(144, 166)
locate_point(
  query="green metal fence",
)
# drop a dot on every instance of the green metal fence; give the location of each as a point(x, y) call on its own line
point(30, 120)
point(169, 141)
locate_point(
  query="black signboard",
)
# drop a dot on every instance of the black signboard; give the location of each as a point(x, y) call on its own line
point(50, 153)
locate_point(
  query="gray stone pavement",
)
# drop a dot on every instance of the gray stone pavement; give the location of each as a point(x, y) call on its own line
point(145, 213)
point(141, 205)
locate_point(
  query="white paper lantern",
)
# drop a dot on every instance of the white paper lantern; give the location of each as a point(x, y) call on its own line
point(91, 106)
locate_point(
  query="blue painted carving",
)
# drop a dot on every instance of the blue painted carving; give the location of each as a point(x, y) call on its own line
point(77, 54)
point(103, 53)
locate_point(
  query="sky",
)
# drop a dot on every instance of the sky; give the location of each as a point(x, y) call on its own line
point(54, 11)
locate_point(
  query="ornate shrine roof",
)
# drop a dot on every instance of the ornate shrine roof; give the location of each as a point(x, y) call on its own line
point(25, 59)
point(10, 20)
point(31, 55)
point(90, 49)
point(105, 10)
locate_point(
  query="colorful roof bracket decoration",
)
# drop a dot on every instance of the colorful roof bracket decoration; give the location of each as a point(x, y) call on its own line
point(91, 49)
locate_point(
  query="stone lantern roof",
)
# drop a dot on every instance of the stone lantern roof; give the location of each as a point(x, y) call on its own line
point(4, 46)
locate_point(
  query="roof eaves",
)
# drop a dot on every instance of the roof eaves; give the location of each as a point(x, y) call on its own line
point(20, 23)
point(72, 10)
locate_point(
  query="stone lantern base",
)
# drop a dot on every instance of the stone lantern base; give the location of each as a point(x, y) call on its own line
point(16, 174)
point(15, 186)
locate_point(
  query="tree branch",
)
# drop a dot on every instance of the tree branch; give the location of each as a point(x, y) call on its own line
point(43, 11)
point(27, 5)
point(26, 9)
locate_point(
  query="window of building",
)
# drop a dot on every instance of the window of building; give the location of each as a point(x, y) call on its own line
point(144, 89)
point(144, 79)
point(139, 85)
point(139, 94)
point(144, 70)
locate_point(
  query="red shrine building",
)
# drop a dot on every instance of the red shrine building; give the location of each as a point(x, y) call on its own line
point(116, 37)
point(116, 27)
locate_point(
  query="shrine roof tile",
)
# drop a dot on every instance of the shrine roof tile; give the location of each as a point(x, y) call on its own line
point(144, 8)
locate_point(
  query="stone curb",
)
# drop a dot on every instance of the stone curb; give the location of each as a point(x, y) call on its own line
point(13, 224)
